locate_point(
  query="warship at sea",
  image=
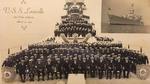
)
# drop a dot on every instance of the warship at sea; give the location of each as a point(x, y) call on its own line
point(130, 19)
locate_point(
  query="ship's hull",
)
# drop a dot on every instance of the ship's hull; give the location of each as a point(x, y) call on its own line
point(117, 20)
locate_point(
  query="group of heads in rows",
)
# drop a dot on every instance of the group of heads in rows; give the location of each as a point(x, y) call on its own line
point(80, 50)
point(70, 28)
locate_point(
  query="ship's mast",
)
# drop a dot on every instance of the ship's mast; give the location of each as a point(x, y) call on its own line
point(132, 11)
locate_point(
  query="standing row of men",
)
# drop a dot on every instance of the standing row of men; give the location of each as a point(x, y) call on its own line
point(55, 67)
point(70, 28)
point(69, 32)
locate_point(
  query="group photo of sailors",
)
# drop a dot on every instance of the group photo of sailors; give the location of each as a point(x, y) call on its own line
point(49, 62)
point(70, 28)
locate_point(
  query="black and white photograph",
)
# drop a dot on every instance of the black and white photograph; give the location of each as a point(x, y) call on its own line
point(125, 16)
point(60, 42)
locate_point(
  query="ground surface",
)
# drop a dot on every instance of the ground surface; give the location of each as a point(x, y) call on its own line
point(132, 80)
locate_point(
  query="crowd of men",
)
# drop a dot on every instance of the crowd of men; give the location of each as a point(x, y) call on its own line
point(67, 20)
point(74, 23)
point(52, 39)
point(104, 39)
point(70, 28)
point(58, 60)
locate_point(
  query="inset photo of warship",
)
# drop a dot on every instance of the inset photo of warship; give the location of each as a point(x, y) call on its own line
point(125, 16)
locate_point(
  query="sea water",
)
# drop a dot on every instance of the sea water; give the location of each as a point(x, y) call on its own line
point(107, 28)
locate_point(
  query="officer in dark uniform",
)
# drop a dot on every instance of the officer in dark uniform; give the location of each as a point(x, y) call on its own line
point(79, 64)
point(145, 59)
point(92, 67)
point(132, 67)
point(100, 68)
point(49, 70)
point(126, 68)
point(75, 66)
point(17, 66)
point(40, 67)
point(22, 71)
point(26, 61)
point(54, 67)
point(66, 65)
point(109, 69)
point(59, 68)
point(118, 68)
point(88, 63)
point(84, 67)
point(31, 68)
